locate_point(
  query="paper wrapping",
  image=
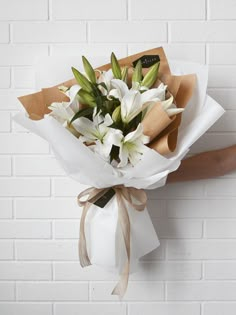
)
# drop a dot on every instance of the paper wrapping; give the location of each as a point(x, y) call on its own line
point(105, 244)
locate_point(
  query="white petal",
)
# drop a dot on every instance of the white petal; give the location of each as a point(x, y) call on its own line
point(174, 111)
point(120, 85)
point(130, 105)
point(86, 127)
point(166, 104)
point(123, 155)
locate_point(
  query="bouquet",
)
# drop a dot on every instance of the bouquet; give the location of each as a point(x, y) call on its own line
point(119, 129)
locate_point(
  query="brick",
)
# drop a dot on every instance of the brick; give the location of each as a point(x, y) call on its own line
point(188, 190)
point(89, 10)
point(7, 291)
point(220, 54)
point(24, 10)
point(147, 271)
point(89, 309)
point(25, 229)
point(220, 11)
point(25, 271)
point(201, 291)
point(203, 31)
point(204, 249)
point(47, 250)
point(9, 98)
point(168, 10)
point(211, 208)
point(65, 229)
point(5, 162)
point(47, 208)
point(16, 308)
point(220, 228)
point(5, 208)
point(5, 122)
point(224, 96)
point(128, 32)
point(164, 308)
point(89, 50)
point(222, 76)
point(187, 52)
point(67, 187)
point(21, 55)
point(22, 143)
point(5, 78)
point(49, 291)
point(4, 32)
point(136, 291)
point(6, 250)
point(170, 228)
point(49, 32)
point(156, 208)
point(23, 77)
point(220, 187)
point(17, 187)
point(37, 166)
point(220, 270)
point(210, 142)
point(219, 308)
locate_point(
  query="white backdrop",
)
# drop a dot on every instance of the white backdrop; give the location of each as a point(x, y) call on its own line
point(194, 270)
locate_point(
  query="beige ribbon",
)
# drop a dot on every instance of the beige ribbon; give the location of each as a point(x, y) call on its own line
point(137, 199)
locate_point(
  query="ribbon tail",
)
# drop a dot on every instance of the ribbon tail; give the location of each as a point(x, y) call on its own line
point(124, 221)
point(83, 253)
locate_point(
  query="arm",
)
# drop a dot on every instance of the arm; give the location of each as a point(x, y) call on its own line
point(205, 165)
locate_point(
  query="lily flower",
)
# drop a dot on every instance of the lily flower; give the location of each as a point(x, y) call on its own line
point(105, 77)
point(99, 133)
point(132, 147)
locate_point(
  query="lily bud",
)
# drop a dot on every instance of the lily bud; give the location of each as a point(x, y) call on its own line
point(151, 76)
point(124, 73)
point(86, 98)
point(115, 67)
point(137, 74)
point(89, 70)
point(82, 80)
point(116, 115)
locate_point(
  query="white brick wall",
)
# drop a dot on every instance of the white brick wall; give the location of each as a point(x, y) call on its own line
point(194, 270)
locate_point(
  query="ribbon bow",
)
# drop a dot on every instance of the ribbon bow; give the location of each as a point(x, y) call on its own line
point(134, 197)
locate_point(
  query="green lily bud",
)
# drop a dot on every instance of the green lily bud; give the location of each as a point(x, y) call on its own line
point(82, 80)
point(86, 98)
point(116, 115)
point(89, 70)
point(115, 67)
point(124, 73)
point(151, 76)
point(137, 74)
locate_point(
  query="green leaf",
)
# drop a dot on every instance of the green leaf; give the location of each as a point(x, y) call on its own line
point(115, 67)
point(89, 70)
point(84, 112)
point(82, 80)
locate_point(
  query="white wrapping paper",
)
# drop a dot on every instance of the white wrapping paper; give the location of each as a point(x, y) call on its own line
point(104, 240)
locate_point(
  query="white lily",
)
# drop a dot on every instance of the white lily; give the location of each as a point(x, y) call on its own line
point(105, 77)
point(99, 132)
point(132, 147)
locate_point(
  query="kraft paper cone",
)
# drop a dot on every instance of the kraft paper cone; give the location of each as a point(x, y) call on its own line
point(166, 141)
point(155, 121)
point(181, 87)
point(36, 104)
